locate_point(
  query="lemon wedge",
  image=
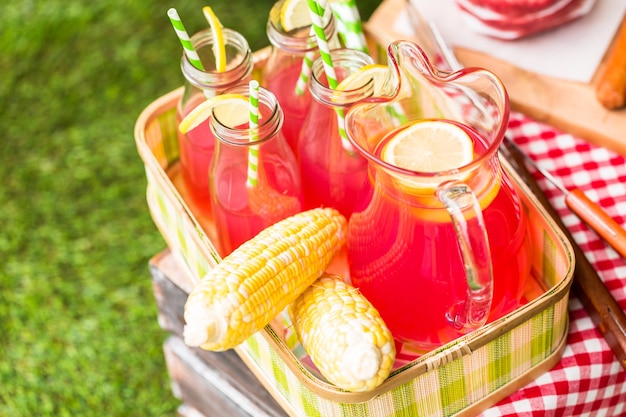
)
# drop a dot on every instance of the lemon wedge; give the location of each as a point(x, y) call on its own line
point(428, 147)
point(231, 109)
point(376, 72)
point(219, 45)
point(294, 14)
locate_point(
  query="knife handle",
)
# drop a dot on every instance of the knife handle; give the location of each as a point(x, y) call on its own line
point(597, 218)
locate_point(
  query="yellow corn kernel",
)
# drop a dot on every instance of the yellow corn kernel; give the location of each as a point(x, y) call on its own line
point(343, 334)
point(249, 287)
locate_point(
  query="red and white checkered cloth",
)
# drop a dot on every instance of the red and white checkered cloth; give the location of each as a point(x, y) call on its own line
point(588, 380)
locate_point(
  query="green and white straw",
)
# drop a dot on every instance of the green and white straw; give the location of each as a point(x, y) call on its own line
point(317, 10)
point(253, 124)
point(184, 39)
point(349, 24)
point(305, 71)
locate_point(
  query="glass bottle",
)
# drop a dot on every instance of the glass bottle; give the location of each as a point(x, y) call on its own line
point(242, 208)
point(197, 146)
point(285, 65)
point(332, 171)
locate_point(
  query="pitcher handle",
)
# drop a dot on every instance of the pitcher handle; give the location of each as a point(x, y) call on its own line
point(469, 225)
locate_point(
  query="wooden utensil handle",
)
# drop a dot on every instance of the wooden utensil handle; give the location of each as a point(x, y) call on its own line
point(611, 85)
point(597, 218)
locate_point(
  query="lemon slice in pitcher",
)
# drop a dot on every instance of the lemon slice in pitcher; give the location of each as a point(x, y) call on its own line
point(428, 147)
point(231, 110)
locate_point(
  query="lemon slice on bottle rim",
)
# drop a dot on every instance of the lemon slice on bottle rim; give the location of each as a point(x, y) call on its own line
point(377, 73)
point(231, 109)
point(219, 44)
point(294, 14)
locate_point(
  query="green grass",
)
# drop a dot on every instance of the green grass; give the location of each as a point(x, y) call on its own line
point(79, 335)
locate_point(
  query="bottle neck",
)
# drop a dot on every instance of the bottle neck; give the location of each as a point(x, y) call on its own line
point(345, 62)
point(270, 121)
point(238, 62)
point(298, 41)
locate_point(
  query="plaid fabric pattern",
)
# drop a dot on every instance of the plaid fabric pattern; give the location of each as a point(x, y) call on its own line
point(588, 380)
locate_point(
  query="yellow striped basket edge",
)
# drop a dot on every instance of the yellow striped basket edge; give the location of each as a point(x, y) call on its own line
point(460, 378)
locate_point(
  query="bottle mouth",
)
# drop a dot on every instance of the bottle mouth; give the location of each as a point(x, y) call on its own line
point(238, 57)
point(270, 120)
point(345, 62)
point(298, 41)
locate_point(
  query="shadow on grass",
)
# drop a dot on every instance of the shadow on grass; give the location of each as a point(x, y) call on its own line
point(79, 330)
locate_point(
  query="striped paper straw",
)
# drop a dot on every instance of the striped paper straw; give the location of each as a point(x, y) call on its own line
point(305, 72)
point(253, 124)
point(317, 10)
point(184, 39)
point(349, 24)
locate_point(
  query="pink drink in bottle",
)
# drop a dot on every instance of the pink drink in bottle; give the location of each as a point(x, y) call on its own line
point(284, 67)
point(332, 172)
point(197, 146)
point(242, 209)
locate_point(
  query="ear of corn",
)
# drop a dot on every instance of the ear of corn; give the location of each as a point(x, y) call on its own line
point(253, 284)
point(343, 334)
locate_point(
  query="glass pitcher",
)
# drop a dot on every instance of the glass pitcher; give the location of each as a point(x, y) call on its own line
point(438, 253)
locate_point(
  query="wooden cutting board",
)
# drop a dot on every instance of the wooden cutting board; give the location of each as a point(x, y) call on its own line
point(568, 106)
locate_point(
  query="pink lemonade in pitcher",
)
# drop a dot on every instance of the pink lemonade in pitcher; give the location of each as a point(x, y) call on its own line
point(404, 254)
